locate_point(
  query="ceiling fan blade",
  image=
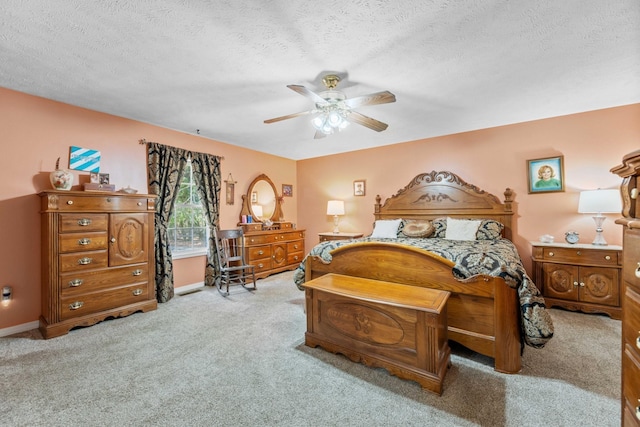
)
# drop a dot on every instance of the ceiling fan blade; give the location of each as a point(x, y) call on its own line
point(372, 99)
point(306, 92)
point(363, 120)
point(319, 135)
point(289, 116)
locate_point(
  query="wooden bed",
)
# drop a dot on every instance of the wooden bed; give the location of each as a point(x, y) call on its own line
point(483, 313)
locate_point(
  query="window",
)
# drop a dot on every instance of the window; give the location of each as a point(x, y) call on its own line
point(188, 230)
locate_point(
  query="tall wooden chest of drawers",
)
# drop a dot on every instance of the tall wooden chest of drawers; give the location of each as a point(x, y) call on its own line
point(97, 258)
point(274, 251)
point(629, 170)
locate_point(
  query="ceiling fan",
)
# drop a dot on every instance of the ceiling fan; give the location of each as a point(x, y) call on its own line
point(334, 111)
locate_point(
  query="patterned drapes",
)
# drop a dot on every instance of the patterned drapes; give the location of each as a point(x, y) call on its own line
point(165, 169)
point(207, 176)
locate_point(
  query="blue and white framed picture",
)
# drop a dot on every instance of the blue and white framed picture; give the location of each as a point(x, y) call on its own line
point(546, 175)
point(84, 159)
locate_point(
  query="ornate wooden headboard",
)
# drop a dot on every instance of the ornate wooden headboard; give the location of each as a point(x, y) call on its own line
point(439, 194)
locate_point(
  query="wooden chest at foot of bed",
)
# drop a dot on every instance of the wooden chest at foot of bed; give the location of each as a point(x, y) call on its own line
point(397, 327)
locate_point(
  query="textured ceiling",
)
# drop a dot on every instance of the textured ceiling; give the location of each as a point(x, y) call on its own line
point(222, 66)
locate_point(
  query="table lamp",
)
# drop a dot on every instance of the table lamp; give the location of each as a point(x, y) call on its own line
point(599, 201)
point(257, 212)
point(335, 208)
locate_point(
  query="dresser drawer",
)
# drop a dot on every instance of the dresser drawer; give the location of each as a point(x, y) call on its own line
point(104, 203)
point(261, 265)
point(296, 246)
point(74, 242)
point(256, 240)
point(82, 261)
point(631, 382)
point(80, 305)
point(631, 319)
point(259, 252)
point(631, 271)
point(98, 280)
point(580, 256)
point(70, 223)
point(295, 257)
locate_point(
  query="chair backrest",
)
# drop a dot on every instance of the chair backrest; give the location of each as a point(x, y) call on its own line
point(230, 247)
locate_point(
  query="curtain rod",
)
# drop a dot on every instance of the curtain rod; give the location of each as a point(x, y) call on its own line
point(143, 141)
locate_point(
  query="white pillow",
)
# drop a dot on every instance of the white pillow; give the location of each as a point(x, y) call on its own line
point(462, 229)
point(386, 228)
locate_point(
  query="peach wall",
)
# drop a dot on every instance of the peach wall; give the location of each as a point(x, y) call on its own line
point(493, 159)
point(36, 131)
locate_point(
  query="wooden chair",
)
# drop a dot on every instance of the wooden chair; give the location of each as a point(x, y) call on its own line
point(234, 270)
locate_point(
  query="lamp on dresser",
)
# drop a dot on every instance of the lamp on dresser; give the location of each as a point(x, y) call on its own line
point(335, 208)
point(599, 201)
point(257, 212)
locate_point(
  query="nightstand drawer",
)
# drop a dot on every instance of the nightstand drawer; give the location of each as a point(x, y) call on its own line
point(581, 256)
point(631, 270)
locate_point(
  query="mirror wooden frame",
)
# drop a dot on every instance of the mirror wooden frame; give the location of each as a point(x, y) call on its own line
point(246, 200)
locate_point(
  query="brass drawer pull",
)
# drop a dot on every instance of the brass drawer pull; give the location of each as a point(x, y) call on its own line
point(260, 265)
point(295, 246)
point(578, 253)
point(608, 258)
point(69, 202)
point(638, 410)
point(75, 283)
point(582, 284)
point(109, 199)
point(137, 292)
point(84, 241)
point(575, 283)
point(85, 261)
point(83, 222)
point(638, 341)
point(75, 305)
point(295, 257)
point(551, 254)
point(260, 252)
point(136, 272)
point(638, 271)
point(139, 203)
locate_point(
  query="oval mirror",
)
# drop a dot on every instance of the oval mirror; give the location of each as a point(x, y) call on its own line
point(261, 200)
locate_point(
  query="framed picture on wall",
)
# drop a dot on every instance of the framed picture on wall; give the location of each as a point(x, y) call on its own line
point(287, 190)
point(545, 175)
point(359, 188)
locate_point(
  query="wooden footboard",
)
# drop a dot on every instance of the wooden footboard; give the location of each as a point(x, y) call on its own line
point(482, 314)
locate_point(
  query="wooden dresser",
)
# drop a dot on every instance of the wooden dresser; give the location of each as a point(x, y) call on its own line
point(97, 258)
point(273, 251)
point(579, 277)
point(629, 170)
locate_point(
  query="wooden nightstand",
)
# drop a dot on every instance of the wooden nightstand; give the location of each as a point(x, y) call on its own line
point(579, 277)
point(337, 236)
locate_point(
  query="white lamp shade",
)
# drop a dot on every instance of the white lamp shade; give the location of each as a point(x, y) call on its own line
point(257, 210)
point(335, 207)
point(599, 201)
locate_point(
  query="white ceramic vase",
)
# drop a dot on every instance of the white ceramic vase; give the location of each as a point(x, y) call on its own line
point(61, 179)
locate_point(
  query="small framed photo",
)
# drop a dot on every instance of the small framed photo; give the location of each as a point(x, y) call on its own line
point(359, 187)
point(287, 190)
point(104, 178)
point(94, 178)
point(545, 175)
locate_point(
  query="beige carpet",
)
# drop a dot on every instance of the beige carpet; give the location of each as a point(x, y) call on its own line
point(205, 360)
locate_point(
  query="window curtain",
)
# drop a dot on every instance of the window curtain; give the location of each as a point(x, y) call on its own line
point(165, 169)
point(207, 177)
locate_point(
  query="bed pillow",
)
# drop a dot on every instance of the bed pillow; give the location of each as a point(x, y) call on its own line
point(489, 230)
point(386, 228)
point(462, 229)
point(439, 227)
point(417, 228)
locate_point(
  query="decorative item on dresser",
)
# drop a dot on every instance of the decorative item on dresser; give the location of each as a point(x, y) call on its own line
point(97, 258)
point(272, 245)
point(598, 202)
point(629, 170)
point(335, 208)
point(579, 276)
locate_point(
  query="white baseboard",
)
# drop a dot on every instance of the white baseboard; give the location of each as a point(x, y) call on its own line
point(34, 325)
point(19, 328)
point(188, 288)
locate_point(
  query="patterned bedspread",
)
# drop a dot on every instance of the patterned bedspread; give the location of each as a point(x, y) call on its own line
point(498, 258)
